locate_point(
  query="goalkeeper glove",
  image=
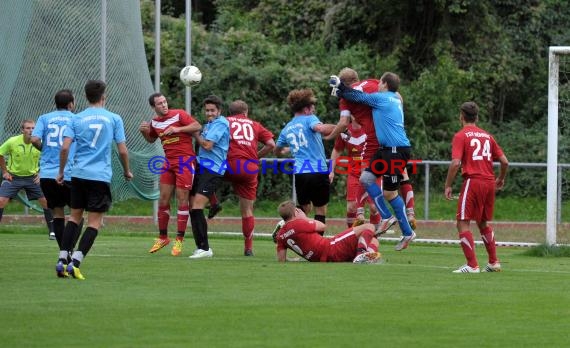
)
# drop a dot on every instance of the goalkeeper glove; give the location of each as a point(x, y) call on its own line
point(334, 81)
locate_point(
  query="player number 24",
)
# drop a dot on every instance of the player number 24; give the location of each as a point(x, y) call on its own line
point(481, 151)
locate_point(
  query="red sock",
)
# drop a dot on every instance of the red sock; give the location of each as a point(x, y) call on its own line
point(213, 200)
point(163, 217)
point(488, 237)
point(182, 220)
point(468, 246)
point(375, 218)
point(350, 218)
point(407, 194)
point(365, 241)
point(247, 227)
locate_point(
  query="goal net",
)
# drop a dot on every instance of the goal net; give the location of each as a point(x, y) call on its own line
point(558, 142)
point(48, 45)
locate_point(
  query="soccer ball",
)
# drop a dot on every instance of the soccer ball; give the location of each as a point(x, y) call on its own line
point(190, 75)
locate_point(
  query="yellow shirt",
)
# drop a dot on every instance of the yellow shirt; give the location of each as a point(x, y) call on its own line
point(24, 158)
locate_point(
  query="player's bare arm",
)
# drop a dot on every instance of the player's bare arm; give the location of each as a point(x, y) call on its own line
point(504, 165)
point(267, 148)
point(63, 155)
point(324, 129)
point(37, 143)
point(124, 157)
point(281, 151)
point(340, 127)
point(451, 173)
point(144, 128)
point(190, 128)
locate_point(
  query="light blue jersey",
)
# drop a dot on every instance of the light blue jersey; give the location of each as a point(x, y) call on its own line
point(94, 130)
point(305, 144)
point(388, 115)
point(217, 131)
point(49, 128)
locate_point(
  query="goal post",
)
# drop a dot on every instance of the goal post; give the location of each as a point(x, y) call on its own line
point(552, 194)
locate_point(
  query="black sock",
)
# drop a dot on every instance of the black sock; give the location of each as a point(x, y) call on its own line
point(68, 239)
point(87, 240)
point(322, 219)
point(1, 213)
point(199, 228)
point(58, 227)
point(49, 219)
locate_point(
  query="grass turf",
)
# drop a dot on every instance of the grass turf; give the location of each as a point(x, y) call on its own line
point(135, 299)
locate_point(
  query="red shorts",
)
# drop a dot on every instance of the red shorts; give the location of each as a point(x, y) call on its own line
point(355, 191)
point(342, 247)
point(476, 200)
point(242, 174)
point(180, 176)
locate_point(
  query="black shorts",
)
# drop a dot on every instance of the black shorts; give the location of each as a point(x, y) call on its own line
point(312, 188)
point(91, 195)
point(206, 182)
point(389, 163)
point(58, 196)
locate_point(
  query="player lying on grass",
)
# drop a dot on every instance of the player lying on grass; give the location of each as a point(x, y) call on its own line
point(302, 235)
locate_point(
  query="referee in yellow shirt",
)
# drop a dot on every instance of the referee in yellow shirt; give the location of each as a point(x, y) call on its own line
point(21, 172)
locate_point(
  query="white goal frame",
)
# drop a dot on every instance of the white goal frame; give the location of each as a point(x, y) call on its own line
point(552, 195)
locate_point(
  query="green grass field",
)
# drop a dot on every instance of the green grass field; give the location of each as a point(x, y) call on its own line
point(134, 299)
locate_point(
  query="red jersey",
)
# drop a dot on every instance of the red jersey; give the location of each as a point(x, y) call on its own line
point(355, 144)
point(177, 144)
point(363, 114)
point(300, 235)
point(245, 133)
point(476, 149)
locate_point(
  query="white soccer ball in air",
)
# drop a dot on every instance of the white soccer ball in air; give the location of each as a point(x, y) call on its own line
point(190, 75)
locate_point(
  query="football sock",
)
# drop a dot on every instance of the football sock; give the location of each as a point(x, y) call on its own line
point(407, 193)
point(199, 228)
point(377, 197)
point(400, 212)
point(322, 219)
point(163, 218)
point(350, 216)
point(365, 241)
point(247, 227)
point(58, 227)
point(86, 241)
point(468, 246)
point(182, 220)
point(375, 218)
point(488, 237)
point(1, 213)
point(48, 216)
point(69, 236)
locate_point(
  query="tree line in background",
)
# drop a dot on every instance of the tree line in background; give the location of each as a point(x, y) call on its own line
point(494, 52)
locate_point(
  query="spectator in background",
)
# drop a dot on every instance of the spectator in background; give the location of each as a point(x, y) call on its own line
point(474, 149)
point(243, 156)
point(174, 127)
point(302, 137)
point(21, 172)
point(94, 131)
point(212, 154)
point(304, 237)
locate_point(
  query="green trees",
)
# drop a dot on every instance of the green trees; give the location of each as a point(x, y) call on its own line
point(446, 52)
